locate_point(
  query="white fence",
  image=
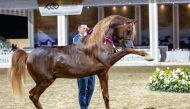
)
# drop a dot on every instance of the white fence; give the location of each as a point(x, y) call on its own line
point(134, 57)
point(178, 56)
point(5, 60)
point(128, 60)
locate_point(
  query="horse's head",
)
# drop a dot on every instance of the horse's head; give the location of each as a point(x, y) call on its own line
point(125, 31)
point(113, 26)
point(122, 30)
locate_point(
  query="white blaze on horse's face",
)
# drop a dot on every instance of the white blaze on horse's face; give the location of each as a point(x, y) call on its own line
point(130, 31)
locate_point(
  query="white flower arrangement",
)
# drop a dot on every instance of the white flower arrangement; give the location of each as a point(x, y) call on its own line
point(176, 80)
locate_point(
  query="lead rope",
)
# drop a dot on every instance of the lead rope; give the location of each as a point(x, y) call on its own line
point(110, 40)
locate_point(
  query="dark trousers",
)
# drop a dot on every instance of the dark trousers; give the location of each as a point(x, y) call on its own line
point(86, 89)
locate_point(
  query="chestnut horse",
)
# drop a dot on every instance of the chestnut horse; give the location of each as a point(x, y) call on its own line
point(93, 55)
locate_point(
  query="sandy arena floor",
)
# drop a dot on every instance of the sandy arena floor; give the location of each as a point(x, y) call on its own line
point(127, 87)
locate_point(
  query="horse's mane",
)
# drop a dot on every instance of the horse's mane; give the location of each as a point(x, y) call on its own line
point(93, 41)
point(100, 30)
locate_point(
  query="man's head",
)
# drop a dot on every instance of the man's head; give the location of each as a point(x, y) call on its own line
point(82, 29)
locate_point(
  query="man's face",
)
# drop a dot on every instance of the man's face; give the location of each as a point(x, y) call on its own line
point(82, 29)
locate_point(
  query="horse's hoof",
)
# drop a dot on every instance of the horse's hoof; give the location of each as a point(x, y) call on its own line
point(148, 58)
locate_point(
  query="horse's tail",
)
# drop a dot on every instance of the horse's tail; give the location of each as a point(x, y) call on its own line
point(16, 73)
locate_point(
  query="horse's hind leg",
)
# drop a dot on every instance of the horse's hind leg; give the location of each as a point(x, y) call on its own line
point(103, 77)
point(38, 90)
point(30, 92)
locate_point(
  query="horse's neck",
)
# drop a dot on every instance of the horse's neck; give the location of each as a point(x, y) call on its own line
point(103, 54)
point(79, 45)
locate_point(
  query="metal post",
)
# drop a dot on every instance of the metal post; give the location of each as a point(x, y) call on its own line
point(175, 26)
point(62, 23)
point(138, 39)
point(100, 13)
point(30, 15)
point(153, 25)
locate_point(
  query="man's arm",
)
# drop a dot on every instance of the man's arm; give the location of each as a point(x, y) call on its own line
point(75, 39)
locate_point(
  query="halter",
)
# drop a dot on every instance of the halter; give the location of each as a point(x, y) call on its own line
point(110, 40)
point(127, 40)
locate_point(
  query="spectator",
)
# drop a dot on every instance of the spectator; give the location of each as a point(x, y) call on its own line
point(85, 84)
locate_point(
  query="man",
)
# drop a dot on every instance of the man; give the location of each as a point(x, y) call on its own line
point(85, 84)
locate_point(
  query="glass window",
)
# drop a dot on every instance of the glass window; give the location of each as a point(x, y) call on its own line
point(184, 26)
point(18, 28)
point(126, 11)
point(165, 25)
point(45, 30)
point(145, 25)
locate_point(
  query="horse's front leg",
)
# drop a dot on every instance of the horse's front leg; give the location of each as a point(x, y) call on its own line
point(118, 55)
point(141, 53)
point(133, 51)
point(103, 77)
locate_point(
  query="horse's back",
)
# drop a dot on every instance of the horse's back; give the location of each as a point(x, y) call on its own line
point(40, 53)
point(43, 58)
point(65, 61)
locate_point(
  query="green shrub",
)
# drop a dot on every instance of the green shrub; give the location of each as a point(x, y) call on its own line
point(176, 80)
